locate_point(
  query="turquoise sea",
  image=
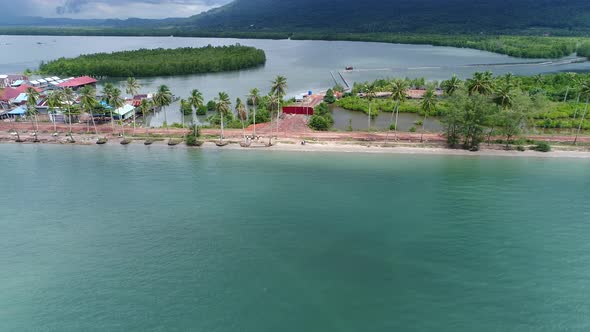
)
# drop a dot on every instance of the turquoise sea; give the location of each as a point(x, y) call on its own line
point(172, 239)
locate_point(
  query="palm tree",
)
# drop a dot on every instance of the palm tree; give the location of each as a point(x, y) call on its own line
point(88, 102)
point(132, 87)
point(144, 108)
point(32, 99)
point(67, 98)
point(195, 100)
point(116, 102)
point(503, 96)
point(398, 93)
point(451, 85)
point(241, 110)
point(162, 99)
point(254, 96)
point(370, 91)
point(107, 96)
point(428, 106)
point(279, 87)
point(53, 103)
point(481, 83)
point(585, 91)
point(508, 79)
point(222, 106)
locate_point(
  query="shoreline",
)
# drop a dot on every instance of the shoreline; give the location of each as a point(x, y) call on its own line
point(327, 147)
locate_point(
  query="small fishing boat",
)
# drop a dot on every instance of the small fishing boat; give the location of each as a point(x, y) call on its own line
point(101, 141)
point(221, 143)
point(349, 68)
point(148, 142)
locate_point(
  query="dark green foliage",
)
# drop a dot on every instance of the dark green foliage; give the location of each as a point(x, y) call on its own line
point(520, 148)
point(542, 147)
point(158, 62)
point(396, 16)
point(412, 129)
point(329, 97)
point(202, 110)
point(322, 118)
point(211, 106)
point(318, 122)
point(185, 107)
point(262, 115)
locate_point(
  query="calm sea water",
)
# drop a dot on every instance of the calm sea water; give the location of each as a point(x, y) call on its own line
point(306, 64)
point(163, 239)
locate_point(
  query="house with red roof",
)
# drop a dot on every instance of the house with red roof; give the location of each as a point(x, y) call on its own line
point(78, 82)
point(11, 93)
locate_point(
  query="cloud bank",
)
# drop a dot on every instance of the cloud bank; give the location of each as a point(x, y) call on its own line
point(108, 8)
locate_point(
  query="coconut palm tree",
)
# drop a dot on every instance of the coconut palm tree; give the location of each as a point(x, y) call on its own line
point(144, 108)
point(370, 90)
point(107, 96)
point(163, 98)
point(88, 102)
point(222, 106)
point(116, 102)
point(503, 96)
point(428, 106)
point(132, 87)
point(481, 83)
point(32, 99)
point(451, 85)
point(585, 91)
point(398, 94)
point(67, 97)
point(254, 96)
point(53, 103)
point(241, 111)
point(195, 99)
point(279, 88)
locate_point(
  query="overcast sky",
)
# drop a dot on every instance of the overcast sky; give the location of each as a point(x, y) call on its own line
point(108, 8)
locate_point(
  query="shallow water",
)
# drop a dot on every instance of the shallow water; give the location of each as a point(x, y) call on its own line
point(157, 239)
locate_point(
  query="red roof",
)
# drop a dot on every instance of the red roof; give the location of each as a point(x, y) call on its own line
point(10, 93)
point(78, 81)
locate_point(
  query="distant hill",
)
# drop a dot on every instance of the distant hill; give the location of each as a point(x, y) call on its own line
point(432, 16)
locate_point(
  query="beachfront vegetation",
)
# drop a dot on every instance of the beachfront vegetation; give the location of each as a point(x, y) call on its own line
point(158, 62)
point(321, 119)
point(483, 105)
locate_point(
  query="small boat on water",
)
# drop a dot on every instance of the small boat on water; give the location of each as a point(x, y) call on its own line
point(349, 68)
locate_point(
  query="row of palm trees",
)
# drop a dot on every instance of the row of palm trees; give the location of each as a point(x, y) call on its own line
point(398, 89)
point(112, 96)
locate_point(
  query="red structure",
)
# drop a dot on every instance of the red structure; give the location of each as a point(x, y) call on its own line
point(305, 110)
point(78, 82)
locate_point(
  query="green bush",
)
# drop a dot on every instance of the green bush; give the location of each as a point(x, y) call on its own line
point(542, 147)
point(329, 97)
point(392, 126)
point(202, 110)
point(412, 129)
point(318, 122)
point(520, 148)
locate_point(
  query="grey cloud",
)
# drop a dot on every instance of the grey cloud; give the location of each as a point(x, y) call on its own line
point(77, 6)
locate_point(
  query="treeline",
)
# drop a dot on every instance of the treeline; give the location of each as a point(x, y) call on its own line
point(517, 46)
point(484, 105)
point(158, 62)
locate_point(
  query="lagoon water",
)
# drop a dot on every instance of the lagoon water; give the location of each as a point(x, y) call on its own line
point(161, 239)
point(306, 64)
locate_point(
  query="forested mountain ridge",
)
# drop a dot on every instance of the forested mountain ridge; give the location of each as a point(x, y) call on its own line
point(432, 16)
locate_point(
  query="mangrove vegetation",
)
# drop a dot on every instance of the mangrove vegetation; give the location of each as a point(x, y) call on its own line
point(158, 62)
